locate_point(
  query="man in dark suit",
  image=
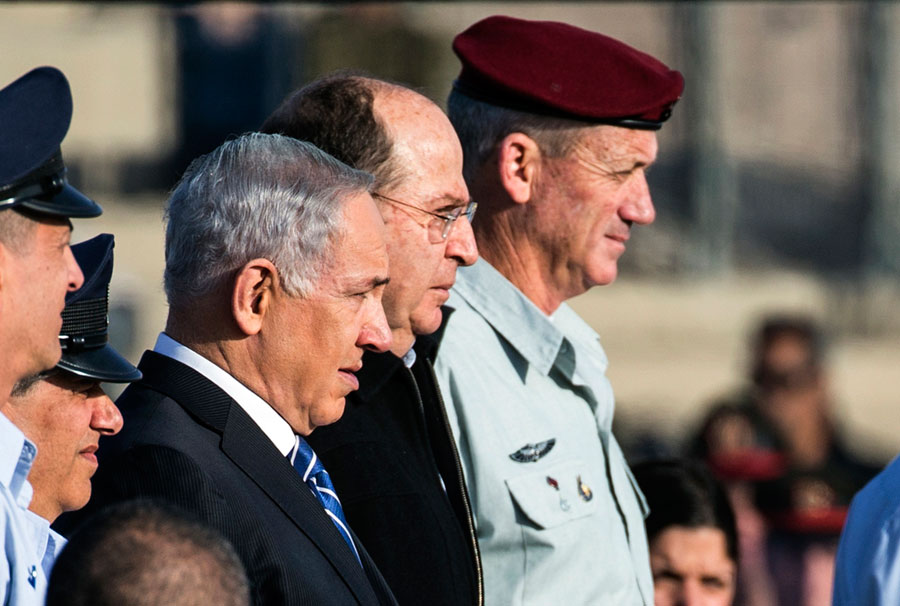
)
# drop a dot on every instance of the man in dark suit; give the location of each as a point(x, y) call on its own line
point(392, 456)
point(275, 267)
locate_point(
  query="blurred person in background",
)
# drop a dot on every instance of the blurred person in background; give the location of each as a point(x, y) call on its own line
point(783, 418)
point(792, 393)
point(741, 449)
point(558, 128)
point(143, 553)
point(804, 511)
point(788, 472)
point(692, 534)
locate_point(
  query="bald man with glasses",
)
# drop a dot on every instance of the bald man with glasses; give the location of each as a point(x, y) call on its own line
point(392, 456)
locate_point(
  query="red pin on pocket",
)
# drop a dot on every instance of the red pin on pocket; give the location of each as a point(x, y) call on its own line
point(563, 503)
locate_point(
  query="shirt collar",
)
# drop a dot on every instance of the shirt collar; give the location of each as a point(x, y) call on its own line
point(379, 368)
point(510, 313)
point(269, 421)
point(17, 454)
point(409, 358)
point(545, 341)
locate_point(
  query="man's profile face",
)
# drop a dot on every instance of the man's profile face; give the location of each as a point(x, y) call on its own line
point(428, 151)
point(40, 272)
point(64, 415)
point(589, 199)
point(313, 345)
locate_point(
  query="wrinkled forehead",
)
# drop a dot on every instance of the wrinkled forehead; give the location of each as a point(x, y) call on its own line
point(606, 142)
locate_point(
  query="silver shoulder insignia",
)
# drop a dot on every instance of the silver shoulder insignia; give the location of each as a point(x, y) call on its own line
point(531, 453)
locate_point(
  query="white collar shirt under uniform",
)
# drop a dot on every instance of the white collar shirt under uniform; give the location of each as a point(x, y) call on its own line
point(269, 421)
point(867, 569)
point(563, 524)
point(29, 544)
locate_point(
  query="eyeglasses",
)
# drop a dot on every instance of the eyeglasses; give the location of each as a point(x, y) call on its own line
point(439, 227)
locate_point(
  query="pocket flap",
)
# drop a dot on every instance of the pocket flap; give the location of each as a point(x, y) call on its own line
point(556, 494)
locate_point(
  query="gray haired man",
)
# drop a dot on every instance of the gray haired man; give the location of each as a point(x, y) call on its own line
point(557, 127)
point(275, 268)
point(416, 522)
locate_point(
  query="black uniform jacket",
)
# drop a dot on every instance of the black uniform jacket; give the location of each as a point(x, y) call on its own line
point(186, 442)
point(387, 457)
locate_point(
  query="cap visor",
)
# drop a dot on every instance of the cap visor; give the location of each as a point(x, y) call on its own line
point(103, 364)
point(67, 203)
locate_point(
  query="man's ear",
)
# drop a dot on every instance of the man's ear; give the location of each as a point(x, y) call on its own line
point(518, 161)
point(252, 292)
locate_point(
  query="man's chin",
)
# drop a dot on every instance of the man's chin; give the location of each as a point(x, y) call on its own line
point(48, 360)
point(426, 321)
point(601, 276)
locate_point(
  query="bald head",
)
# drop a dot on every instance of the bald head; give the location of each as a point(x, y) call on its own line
point(424, 144)
point(409, 145)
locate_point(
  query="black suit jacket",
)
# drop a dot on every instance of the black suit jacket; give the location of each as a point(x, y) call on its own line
point(185, 441)
point(391, 456)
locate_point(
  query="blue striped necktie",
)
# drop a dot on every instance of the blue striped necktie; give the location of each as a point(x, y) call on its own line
point(313, 473)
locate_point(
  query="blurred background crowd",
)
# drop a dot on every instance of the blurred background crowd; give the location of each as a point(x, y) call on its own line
point(753, 326)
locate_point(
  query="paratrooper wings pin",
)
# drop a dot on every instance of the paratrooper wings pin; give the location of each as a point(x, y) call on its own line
point(531, 453)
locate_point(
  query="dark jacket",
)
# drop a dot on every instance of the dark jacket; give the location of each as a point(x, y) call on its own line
point(387, 456)
point(186, 442)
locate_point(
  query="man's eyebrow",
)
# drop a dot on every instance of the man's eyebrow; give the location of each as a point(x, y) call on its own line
point(447, 201)
point(371, 284)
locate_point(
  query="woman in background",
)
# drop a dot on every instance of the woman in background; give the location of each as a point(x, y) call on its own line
point(692, 536)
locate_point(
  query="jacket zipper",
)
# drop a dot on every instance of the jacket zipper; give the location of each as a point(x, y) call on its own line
point(470, 521)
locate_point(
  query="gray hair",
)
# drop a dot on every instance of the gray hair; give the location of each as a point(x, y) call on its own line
point(16, 229)
point(481, 126)
point(257, 196)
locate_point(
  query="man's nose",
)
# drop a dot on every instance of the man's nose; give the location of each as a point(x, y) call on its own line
point(638, 208)
point(74, 275)
point(107, 419)
point(461, 244)
point(375, 334)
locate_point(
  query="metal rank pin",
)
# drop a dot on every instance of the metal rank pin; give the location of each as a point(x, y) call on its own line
point(563, 503)
point(584, 491)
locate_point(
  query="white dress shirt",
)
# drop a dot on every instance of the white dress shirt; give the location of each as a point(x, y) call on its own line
point(269, 421)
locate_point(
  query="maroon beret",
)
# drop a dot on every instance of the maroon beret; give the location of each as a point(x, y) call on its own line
point(555, 69)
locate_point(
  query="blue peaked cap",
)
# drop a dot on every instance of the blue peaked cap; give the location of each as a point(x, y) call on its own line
point(35, 113)
point(85, 331)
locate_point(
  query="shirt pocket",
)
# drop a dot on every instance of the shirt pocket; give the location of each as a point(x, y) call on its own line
point(555, 494)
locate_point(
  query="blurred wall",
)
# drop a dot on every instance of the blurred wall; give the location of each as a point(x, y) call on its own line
point(764, 182)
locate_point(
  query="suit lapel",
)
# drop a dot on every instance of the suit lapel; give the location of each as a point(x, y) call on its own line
point(245, 444)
